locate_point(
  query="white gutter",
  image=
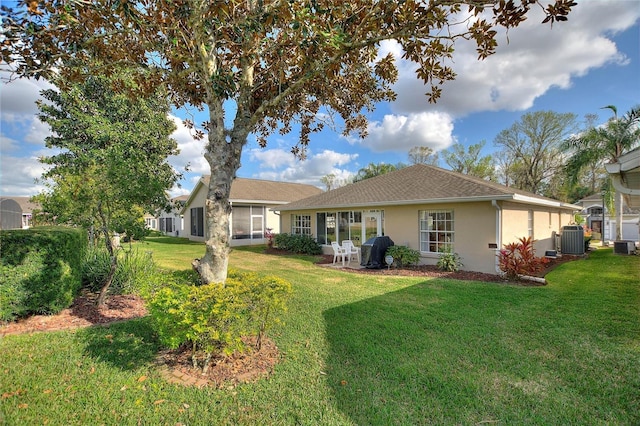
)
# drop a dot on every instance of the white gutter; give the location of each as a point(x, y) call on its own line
point(495, 204)
point(620, 186)
point(543, 202)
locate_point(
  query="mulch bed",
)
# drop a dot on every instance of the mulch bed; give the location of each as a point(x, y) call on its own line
point(432, 271)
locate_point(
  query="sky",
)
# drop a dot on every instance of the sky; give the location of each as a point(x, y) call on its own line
point(579, 66)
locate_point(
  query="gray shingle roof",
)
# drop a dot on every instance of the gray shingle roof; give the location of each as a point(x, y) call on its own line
point(417, 184)
point(266, 190)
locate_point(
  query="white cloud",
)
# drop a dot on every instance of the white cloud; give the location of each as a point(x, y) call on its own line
point(400, 133)
point(272, 158)
point(18, 176)
point(529, 61)
point(191, 150)
point(19, 97)
point(309, 171)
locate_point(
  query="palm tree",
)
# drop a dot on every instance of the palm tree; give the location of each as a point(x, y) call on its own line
point(605, 143)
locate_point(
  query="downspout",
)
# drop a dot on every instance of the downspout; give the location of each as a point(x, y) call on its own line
point(495, 204)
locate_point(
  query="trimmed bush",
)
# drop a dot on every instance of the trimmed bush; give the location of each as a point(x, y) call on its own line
point(213, 318)
point(41, 269)
point(403, 255)
point(296, 243)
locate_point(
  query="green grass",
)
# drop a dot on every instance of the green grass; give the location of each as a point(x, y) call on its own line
point(359, 349)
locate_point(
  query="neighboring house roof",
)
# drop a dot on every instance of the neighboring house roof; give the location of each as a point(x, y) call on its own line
point(261, 191)
point(625, 174)
point(419, 184)
point(27, 206)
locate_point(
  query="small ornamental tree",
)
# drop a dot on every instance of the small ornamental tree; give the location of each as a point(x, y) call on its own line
point(519, 258)
point(110, 163)
point(272, 64)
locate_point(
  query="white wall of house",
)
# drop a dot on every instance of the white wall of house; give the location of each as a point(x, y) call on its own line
point(249, 229)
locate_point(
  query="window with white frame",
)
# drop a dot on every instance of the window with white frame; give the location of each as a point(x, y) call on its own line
point(530, 223)
point(436, 231)
point(300, 224)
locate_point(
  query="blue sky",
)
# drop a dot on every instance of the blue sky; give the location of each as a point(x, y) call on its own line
point(591, 61)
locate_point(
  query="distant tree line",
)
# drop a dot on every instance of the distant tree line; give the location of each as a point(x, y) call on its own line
point(545, 153)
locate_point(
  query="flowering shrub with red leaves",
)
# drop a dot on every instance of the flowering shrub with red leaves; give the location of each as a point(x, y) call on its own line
point(519, 258)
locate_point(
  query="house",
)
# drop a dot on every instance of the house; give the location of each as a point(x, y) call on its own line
point(17, 212)
point(251, 203)
point(172, 222)
point(431, 210)
point(168, 222)
point(592, 212)
point(10, 214)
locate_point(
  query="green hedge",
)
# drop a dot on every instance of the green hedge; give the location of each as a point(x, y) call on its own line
point(41, 270)
point(296, 243)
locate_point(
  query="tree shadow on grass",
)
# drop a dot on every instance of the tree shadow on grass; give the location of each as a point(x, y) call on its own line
point(124, 345)
point(416, 356)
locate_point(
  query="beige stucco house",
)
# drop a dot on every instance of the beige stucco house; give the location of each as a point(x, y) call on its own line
point(252, 203)
point(431, 209)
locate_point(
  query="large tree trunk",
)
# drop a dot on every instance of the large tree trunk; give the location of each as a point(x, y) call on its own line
point(223, 154)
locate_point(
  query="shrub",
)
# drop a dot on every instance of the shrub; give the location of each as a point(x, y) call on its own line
point(297, 243)
point(449, 261)
point(41, 269)
point(518, 258)
point(403, 255)
point(13, 289)
point(213, 318)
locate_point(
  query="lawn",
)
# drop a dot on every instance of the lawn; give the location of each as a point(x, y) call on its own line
point(359, 349)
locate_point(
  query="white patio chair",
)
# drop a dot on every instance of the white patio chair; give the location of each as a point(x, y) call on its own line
point(351, 250)
point(338, 252)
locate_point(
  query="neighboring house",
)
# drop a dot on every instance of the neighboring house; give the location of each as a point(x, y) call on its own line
point(431, 210)
point(172, 222)
point(17, 212)
point(252, 201)
point(592, 213)
point(10, 214)
point(151, 222)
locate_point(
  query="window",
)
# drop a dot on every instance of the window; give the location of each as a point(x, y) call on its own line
point(300, 224)
point(530, 223)
point(595, 211)
point(340, 226)
point(197, 221)
point(247, 222)
point(436, 230)
point(241, 222)
point(169, 224)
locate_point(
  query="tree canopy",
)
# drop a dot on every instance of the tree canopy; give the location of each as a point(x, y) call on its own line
point(469, 161)
point(531, 148)
point(279, 63)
